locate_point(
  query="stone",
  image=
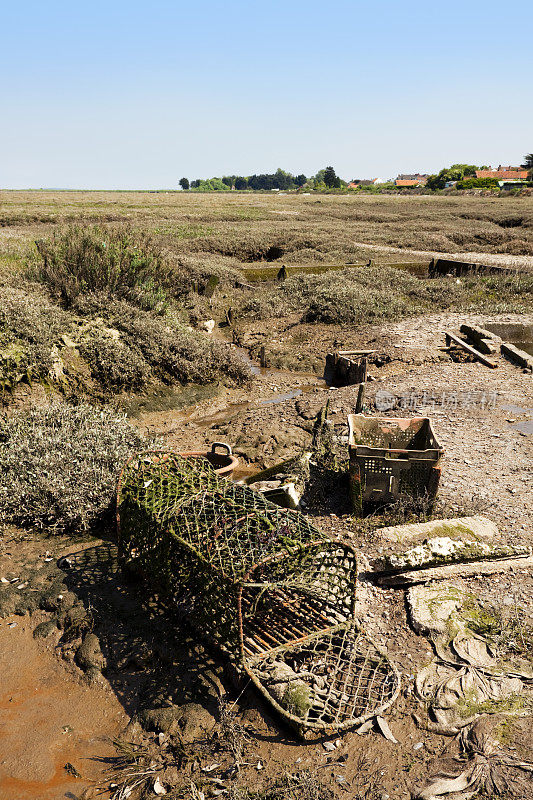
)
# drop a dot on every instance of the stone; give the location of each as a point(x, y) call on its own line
point(430, 607)
point(89, 654)
point(461, 526)
point(208, 325)
point(45, 629)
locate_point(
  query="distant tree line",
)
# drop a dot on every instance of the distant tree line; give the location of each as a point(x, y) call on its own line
point(281, 180)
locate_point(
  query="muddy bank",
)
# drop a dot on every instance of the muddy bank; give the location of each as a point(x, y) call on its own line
point(49, 719)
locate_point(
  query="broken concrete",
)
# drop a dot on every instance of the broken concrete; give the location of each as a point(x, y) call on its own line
point(463, 570)
point(485, 341)
point(461, 526)
point(517, 356)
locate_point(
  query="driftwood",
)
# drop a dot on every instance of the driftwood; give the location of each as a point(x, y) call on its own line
point(463, 569)
point(451, 337)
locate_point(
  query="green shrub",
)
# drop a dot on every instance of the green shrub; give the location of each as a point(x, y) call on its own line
point(169, 350)
point(118, 261)
point(60, 466)
point(364, 295)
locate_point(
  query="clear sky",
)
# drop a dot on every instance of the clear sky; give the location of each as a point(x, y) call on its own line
point(137, 94)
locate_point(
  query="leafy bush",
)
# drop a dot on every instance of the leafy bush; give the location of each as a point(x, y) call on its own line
point(60, 466)
point(477, 183)
point(117, 261)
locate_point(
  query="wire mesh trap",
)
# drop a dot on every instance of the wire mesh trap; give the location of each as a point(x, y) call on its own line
point(272, 591)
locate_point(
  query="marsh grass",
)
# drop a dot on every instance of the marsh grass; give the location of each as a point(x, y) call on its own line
point(120, 262)
point(60, 466)
point(364, 295)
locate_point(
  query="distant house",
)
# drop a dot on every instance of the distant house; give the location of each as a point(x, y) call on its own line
point(511, 184)
point(503, 173)
point(361, 182)
point(411, 180)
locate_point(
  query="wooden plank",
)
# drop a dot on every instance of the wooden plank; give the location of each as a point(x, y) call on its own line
point(451, 337)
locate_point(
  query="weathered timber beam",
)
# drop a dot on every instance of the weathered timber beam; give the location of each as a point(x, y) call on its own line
point(451, 337)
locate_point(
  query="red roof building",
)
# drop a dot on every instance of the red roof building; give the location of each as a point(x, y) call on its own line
point(411, 180)
point(503, 173)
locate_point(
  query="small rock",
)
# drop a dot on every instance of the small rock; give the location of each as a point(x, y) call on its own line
point(89, 653)
point(208, 325)
point(45, 629)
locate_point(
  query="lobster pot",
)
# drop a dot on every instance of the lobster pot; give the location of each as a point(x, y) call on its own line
point(392, 459)
point(272, 591)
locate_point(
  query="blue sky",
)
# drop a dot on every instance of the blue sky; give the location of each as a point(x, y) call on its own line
point(135, 95)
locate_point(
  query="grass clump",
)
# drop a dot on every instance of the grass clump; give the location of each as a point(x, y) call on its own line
point(352, 295)
point(365, 295)
point(117, 261)
point(60, 466)
point(161, 348)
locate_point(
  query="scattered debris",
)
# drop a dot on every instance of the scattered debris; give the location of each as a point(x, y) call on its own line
point(451, 337)
point(442, 558)
point(485, 341)
point(486, 767)
point(383, 725)
point(472, 674)
point(223, 463)
point(346, 367)
point(158, 787)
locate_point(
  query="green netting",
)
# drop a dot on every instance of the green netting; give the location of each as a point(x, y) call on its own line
point(257, 579)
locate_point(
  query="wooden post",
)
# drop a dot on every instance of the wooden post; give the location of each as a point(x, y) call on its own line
point(360, 398)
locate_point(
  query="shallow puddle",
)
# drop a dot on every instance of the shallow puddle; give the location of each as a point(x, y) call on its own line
point(523, 425)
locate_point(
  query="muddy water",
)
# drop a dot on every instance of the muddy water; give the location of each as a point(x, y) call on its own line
point(268, 273)
point(523, 425)
point(48, 719)
point(519, 335)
